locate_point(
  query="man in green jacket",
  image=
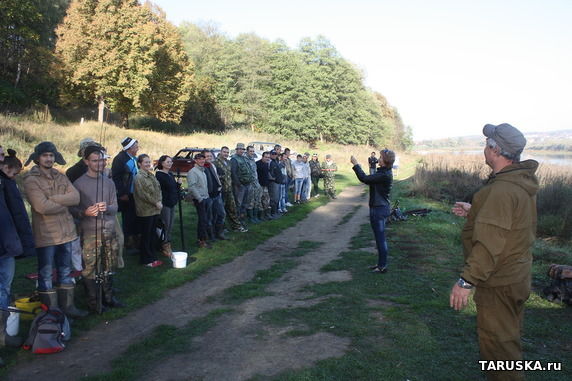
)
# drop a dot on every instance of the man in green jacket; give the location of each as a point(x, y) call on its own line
point(224, 170)
point(497, 240)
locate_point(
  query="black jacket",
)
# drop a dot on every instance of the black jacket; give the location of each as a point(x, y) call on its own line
point(121, 175)
point(169, 188)
point(76, 171)
point(16, 237)
point(276, 173)
point(372, 161)
point(379, 185)
point(263, 171)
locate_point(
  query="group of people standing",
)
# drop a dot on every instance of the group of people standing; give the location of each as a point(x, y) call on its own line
point(243, 188)
point(75, 224)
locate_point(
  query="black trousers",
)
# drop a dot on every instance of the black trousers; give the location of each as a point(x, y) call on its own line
point(203, 220)
point(147, 250)
point(130, 221)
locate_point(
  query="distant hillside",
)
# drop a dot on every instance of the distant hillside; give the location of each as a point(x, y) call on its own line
point(541, 141)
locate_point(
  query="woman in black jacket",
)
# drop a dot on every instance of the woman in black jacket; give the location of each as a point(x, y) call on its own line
point(379, 206)
point(170, 194)
point(16, 237)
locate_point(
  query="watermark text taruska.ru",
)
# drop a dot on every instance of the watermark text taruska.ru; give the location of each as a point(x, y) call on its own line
point(526, 365)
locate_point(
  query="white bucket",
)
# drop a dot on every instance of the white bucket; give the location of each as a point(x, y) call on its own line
point(179, 259)
point(13, 324)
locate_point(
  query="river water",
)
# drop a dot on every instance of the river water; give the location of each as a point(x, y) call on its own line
point(560, 159)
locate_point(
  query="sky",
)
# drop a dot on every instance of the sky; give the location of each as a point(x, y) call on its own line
point(448, 66)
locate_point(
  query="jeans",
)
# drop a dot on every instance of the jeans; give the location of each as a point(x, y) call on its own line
point(274, 191)
point(241, 196)
point(298, 189)
point(215, 211)
point(289, 182)
point(377, 217)
point(306, 189)
point(60, 255)
point(282, 203)
point(372, 171)
point(7, 269)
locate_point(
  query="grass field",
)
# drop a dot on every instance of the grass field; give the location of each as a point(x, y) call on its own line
point(400, 324)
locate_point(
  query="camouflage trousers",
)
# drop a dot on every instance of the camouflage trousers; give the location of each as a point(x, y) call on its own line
point(330, 186)
point(106, 254)
point(231, 210)
point(254, 196)
point(265, 199)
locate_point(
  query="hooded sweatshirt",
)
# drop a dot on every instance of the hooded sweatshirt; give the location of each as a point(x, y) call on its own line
point(501, 228)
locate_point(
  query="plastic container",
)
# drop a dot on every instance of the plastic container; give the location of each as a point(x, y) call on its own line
point(25, 305)
point(179, 259)
point(13, 324)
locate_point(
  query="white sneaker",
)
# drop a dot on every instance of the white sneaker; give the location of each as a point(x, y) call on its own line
point(317, 196)
point(288, 204)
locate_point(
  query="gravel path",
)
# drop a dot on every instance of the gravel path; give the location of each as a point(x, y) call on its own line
point(233, 349)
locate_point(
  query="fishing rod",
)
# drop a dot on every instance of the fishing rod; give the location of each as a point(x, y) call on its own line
point(180, 191)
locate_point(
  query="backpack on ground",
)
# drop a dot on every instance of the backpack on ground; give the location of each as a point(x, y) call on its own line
point(560, 288)
point(160, 237)
point(48, 332)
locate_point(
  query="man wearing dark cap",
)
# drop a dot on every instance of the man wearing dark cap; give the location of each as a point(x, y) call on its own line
point(78, 169)
point(50, 193)
point(276, 178)
point(497, 240)
point(123, 172)
point(242, 179)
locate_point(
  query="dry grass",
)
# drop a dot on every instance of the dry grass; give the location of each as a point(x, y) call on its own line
point(452, 178)
point(23, 134)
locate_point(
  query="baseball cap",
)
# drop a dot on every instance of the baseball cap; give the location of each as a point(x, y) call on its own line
point(509, 138)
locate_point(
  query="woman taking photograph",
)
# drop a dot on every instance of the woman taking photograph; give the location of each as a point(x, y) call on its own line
point(379, 205)
point(148, 206)
point(170, 192)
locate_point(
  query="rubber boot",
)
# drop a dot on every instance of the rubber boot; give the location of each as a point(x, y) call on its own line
point(5, 339)
point(268, 214)
point(49, 298)
point(109, 300)
point(91, 292)
point(66, 302)
point(166, 249)
point(250, 215)
point(255, 216)
point(274, 212)
point(219, 232)
point(211, 234)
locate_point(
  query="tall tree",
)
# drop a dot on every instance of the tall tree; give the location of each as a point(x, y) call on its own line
point(26, 42)
point(126, 55)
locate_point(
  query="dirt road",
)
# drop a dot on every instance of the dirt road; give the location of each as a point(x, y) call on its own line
point(233, 349)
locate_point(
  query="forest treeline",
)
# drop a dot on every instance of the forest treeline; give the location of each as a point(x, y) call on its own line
point(126, 56)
